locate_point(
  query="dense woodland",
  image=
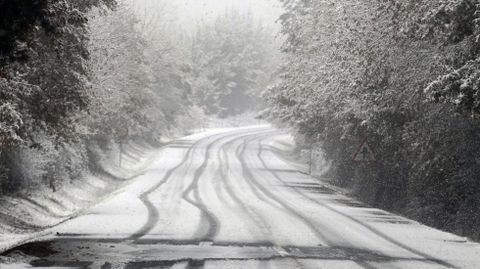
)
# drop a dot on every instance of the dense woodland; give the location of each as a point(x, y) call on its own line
point(234, 58)
point(403, 74)
point(79, 77)
point(76, 75)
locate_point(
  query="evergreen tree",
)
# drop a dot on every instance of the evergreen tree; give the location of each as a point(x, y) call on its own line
point(233, 60)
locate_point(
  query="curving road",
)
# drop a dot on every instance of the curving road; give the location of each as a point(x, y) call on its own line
point(225, 199)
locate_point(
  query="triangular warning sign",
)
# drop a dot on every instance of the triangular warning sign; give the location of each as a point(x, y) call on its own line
point(364, 154)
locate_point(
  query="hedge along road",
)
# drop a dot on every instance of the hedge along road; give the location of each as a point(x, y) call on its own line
point(228, 199)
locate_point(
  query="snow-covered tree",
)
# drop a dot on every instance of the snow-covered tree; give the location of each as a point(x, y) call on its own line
point(137, 82)
point(397, 73)
point(233, 60)
point(43, 82)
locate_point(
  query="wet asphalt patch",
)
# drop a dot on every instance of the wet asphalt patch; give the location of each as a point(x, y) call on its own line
point(85, 253)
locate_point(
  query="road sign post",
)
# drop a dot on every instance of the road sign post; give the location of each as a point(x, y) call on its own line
point(121, 153)
point(364, 154)
point(316, 154)
point(310, 169)
point(123, 138)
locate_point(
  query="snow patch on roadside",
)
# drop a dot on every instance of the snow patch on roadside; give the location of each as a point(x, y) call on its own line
point(26, 218)
point(285, 147)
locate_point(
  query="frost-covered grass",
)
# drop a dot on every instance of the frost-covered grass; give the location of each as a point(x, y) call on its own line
point(27, 216)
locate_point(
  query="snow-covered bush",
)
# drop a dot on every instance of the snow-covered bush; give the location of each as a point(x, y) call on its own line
point(402, 74)
point(76, 78)
point(47, 165)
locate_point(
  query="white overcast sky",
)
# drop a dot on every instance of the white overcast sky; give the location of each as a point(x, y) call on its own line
point(190, 12)
point(266, 10)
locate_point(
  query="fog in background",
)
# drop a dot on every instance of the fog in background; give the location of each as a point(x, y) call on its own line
point(231, 48)
point(142, 127)
point(188, 14)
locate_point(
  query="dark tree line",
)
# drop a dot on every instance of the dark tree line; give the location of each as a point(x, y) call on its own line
point(234, 58)
point(42, 83)
point(72, 82)
point(404, 75)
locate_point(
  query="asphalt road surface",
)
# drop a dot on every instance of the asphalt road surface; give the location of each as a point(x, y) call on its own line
point(227, 199)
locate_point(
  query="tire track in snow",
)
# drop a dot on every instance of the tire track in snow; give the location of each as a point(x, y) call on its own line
point(252, 187)
point(212, 222)
point(258, 193)
point(208, 221)
point(250, 177)
point(173, 196)
point(365, 225)
point(326, 241)
point(153, 214)
point(257, 218)
point(223, 171)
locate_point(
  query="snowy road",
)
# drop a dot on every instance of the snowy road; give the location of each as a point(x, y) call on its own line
point(225, 199)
